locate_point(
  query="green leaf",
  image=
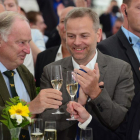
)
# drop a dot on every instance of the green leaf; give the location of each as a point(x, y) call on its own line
point(37, 90)
point(4, 116)
point(5, 122)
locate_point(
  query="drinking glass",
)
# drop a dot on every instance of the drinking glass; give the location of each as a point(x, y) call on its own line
point(56, 80)
point(37, 129)
point(71, 86)
point(1, 132)
point(50, 132)
point(86, 134)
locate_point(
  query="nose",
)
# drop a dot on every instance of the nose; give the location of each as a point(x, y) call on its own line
point(27, 48)
point(77, 41)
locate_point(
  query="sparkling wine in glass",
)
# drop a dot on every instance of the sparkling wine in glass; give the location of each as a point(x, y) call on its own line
point(37, 129)
point(50, 132)
point(71, 86)
point(56, 80)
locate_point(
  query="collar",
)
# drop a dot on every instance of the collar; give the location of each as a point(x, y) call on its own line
point(60, 50)
point(90, 65)
point(135, 39)
point(3, 68)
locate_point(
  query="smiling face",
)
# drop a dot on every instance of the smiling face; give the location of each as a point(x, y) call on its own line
point(81, 39)
point(13, 52)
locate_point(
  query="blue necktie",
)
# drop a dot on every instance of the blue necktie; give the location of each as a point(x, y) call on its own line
point(77, 95)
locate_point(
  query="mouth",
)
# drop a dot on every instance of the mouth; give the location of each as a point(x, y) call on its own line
point(79, 49)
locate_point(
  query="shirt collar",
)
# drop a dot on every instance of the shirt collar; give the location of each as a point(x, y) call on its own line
point(90, 65)
point(135, 39)
point(60, 50)
point(3, 68)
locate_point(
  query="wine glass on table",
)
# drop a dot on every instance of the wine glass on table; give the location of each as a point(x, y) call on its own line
point(72, 87)
point(86, 134)
point(37, 129)
point(56, 80)
point(50, 132)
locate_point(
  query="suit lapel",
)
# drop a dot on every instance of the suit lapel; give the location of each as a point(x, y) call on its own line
point(4, 93)
point(24, 76)
point(129, 52)
point(102, 63)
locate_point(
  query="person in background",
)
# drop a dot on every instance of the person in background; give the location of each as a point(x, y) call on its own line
point(108, 19)
point(56, 52)
point(30, 60)
point(14, 45)
point(117, 25)
point(37, 22)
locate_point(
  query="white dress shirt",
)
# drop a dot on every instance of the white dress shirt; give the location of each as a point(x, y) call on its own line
point(19, 85)
point(59, 54)
point(90, 65)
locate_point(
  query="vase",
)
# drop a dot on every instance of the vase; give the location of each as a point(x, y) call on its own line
point(15, 133)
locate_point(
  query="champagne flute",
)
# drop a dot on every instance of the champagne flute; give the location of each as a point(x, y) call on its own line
point(37, 129)
point(86, 134)
point(1, 132)
point(72, 87)
point(56, 80)
point(50, 132)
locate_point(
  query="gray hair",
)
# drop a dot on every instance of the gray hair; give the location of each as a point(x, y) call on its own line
point(80, 12)
point(7, 19)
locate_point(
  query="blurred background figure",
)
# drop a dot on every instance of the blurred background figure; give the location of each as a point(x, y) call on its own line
point(107, 19)
point(117, 25)
point(37, 29)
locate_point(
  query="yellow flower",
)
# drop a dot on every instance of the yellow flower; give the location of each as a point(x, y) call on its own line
point(19, 109)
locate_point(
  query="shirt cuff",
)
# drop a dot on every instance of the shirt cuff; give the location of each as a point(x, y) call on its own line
point(85, 124)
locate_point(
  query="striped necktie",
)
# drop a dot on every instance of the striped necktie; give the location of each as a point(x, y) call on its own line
point(10, 76)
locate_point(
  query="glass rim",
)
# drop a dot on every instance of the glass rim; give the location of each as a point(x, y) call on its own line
point(50, 121)
point(38, 119)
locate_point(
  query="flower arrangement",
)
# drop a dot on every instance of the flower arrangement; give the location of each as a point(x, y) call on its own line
point(16, 114)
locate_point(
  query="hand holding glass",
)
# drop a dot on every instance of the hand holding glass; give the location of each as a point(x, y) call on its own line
point(56, 80)
point(71, 86)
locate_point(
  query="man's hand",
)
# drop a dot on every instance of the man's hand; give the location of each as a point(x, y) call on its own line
point(47, 98)
point(78, 111)
point(89, 82)
point(81, 3)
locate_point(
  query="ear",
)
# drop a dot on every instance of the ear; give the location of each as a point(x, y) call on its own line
point(123, 9)
point(99, 35)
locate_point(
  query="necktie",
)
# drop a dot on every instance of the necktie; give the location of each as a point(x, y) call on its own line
point(10, 76)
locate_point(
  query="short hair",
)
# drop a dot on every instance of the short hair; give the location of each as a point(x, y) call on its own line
point(127, 2)
point(7, 19)
point(16, 1)
point(120, 19)
point(32, 16)
point(80, 12)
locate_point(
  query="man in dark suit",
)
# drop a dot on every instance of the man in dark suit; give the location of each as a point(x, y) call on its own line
point(108, 105)
point(128, 130)
point(14, 45)
point(125, 44)
point(55, 53)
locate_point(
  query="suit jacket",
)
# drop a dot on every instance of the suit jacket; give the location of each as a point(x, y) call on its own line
point(110, 106)
point(43, 59)
point(29, 83)
point(119, 47)
point(128, 130)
